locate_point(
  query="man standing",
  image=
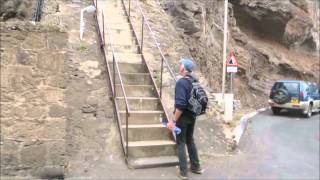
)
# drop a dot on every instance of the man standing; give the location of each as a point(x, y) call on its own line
point(185, 120)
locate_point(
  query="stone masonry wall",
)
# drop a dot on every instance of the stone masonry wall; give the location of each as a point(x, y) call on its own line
point(32, 114)
point(56, 114)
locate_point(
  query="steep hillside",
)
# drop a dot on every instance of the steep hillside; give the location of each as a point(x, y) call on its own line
point(271, 39)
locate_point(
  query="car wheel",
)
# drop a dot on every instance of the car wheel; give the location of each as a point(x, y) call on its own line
point(309, 111)
point(276, 110)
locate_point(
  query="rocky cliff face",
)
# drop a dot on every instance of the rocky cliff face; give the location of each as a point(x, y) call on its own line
point(16, 9)
point(271, 39)
point(293, 23)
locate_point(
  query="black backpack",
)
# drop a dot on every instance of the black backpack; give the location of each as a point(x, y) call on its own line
point(198, 101)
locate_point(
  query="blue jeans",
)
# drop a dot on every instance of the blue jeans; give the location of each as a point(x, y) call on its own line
point(186, 124)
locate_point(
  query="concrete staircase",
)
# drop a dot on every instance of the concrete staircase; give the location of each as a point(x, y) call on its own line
point(150, 143)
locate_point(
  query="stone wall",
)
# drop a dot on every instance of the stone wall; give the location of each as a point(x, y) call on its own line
point(56, 114)
point(33, 119)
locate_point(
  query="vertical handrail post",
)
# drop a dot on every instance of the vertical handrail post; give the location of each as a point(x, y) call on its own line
point(127, 116)
point(103, 43)
point(129, 7)
point(96, 12)
point(225, 41)
point(161, 78)
point(114, 76)
point(142, 24)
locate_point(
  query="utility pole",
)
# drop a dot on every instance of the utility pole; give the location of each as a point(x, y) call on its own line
point(225, 33)
point(317, 16)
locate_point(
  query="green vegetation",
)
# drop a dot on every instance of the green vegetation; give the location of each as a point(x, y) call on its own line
point(236, 119)
point(88, 2)
point(83, 48)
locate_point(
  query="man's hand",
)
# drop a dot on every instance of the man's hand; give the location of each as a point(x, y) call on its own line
point(176, 115)
point(171, 124)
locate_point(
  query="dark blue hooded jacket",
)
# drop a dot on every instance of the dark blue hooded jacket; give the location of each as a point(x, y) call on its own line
point(182, 93)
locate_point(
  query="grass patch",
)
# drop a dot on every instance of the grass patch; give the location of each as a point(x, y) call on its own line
point(236, 119)
point(83, 48)
point(88, 2)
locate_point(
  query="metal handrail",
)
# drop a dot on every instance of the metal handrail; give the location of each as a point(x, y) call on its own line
point(112, 81)
point(156, 42)
point(115, 65)
point(37, 15)
point(140, 43)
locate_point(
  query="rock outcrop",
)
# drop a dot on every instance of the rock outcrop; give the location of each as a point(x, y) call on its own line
point(20, 9)
point(271, 39)
point(292, 23)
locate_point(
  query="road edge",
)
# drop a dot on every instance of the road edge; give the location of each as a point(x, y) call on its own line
point(241, 128)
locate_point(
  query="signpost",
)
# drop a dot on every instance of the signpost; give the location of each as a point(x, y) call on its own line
point(232, 64)
point(225, 33)
point(232, 67)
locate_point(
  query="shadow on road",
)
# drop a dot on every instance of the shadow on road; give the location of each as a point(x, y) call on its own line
point(291, 113)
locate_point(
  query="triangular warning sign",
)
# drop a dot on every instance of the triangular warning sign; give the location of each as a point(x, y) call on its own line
point(232, 61)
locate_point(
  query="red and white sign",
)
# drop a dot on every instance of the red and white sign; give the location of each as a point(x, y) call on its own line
point(232, 63)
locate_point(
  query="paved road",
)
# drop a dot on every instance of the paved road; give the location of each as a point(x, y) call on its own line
point(285, 146)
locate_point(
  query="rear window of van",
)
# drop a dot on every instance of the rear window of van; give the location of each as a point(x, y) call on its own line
point(291, 87)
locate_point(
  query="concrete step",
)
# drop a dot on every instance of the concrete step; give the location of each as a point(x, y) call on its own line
point(119, 39)
point(113, 4)
point(118, 48)
point(116, 19)
point(141, 104)
point(110, 6)
point(120, 23)
point(147, 132)
point(115, 30)
point(136, 90)
point(123, 25)
point(151, 56)
point(121, 28)
point(135, 79)
point(110, 12)
point(150, 162)
point(122, 32)
point(150, 143)
point(131, 67)
point(139, 149)
point(126, 57)
point(141, 117)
